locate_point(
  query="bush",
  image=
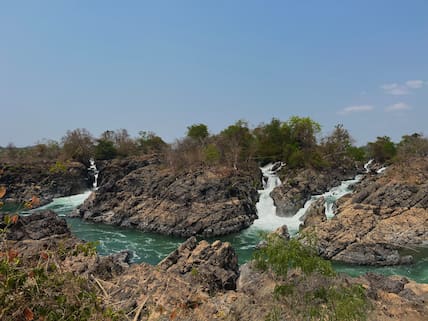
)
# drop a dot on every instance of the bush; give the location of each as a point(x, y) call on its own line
point(105, 150)
point(313, 291)
point(211, 154)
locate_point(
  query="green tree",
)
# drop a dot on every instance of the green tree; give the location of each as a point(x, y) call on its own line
point(237, 141)
point(382, 150)
point(304, 131)
point(149, 142)
point(105, 150)
point(211, 154)
point(198, 132)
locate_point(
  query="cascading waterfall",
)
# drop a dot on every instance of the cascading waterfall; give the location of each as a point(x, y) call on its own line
point(367, 165)
point(93, 168)
point(151, 248)
point(266, 209)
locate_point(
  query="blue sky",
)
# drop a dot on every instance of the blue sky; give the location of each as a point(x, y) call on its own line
point(163, 65)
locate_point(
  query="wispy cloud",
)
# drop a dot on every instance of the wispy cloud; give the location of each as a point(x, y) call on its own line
point(402, 89)
point(415, 84)
point(398, 107)
point(356, 109)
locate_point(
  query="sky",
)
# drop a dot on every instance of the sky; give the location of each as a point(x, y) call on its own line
point(164, 65)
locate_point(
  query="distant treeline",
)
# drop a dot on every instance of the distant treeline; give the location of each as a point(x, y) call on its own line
point(295, 142)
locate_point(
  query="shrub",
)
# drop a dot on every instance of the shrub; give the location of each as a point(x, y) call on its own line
point(314, 291)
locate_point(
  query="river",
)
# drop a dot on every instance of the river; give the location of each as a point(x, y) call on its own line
point(151, 248)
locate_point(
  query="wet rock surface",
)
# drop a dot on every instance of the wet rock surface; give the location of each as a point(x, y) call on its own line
point(146, 195)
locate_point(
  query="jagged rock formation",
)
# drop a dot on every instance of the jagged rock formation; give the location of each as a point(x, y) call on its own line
point(386, 213)
point(198, 281)
point(298, 187)
point(43, 180)
point(146, 195)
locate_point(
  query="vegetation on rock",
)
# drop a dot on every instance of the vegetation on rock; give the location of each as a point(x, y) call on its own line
point(307, 284)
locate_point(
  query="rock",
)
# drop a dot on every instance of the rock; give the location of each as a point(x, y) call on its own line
point(386, 213)
point(37, 226)
point(384, 283)
point(147, 195)
point(299, 186)
point(282, 231)
point(23, 181)
point(107, 267)
point(315, 213)
point(216, 264)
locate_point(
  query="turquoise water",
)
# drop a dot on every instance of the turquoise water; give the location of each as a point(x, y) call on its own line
point(151, 248)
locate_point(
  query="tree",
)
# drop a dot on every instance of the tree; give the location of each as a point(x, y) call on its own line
point(105, 149)
point(337, 147)
point(124, 144)
point(412, 145)
point(382, 150)
point(270, 139)
point(237, 141)
point(211, 154)
point(304, 131)
point(78, 145)
point(198, 132)
point(149, 142)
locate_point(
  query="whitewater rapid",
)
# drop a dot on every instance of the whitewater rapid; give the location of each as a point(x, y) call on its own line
point(266, 209)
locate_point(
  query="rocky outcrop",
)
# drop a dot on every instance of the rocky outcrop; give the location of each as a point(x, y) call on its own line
point(37, 226)
point(45, 180)
point(298, 187)
point(315, 213)
point(146, 195)
point(386, 214)
point(215, 264)
point(198, 281)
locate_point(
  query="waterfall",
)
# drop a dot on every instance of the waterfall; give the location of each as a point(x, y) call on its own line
point(94, 170)
point(266, 209)
point(367, 165)
point(337, 192)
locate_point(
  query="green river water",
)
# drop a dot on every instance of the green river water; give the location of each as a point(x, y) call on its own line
point(151, 248)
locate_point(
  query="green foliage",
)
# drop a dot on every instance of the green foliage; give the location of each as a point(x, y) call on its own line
point(293, 141)
point(314, 292)
point(237, 142)
point(197, 132)
point(88, 248)
point(39, 290)
point(211, 154)
point(356, 153)
point(280, 255)
point(105, 150)
point(149, 142)
point(58, 167)
point(382, 150)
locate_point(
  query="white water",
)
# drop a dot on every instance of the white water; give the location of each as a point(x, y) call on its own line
point(66, 204)
point(266, 210)
point(94, 169)
point(367, 165)
point(381, 170)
